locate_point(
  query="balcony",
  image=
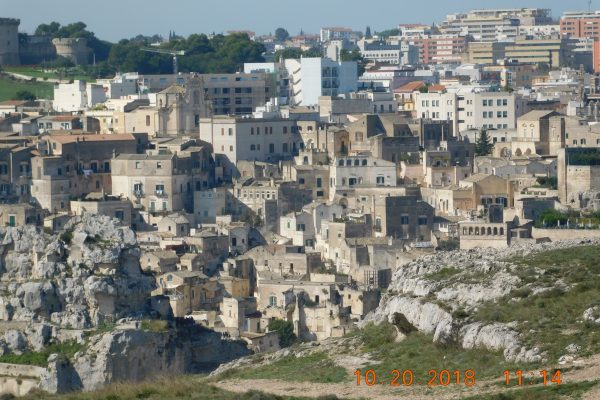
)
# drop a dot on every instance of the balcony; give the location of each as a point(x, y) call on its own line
point(160, 194)
point(138, 194)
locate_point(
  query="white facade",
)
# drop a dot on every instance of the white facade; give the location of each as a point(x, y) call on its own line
point(397, 54)
point(77, 96)
point(310, 78)
point(252, 139)
point(490, 110)
point(347, 172)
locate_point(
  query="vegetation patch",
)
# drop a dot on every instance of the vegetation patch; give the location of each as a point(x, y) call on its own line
point(317, 368)
point(40, 358)
point(155, 325)
point(180, 387)
point(442, 274)
point(543, 317)
point(11, 89)
point(418, 353)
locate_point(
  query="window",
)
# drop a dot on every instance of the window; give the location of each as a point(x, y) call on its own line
point(301, 227)
point(158, 165)
point(422, 220)
point(380, 180)
point(3, 169)
point(301, 181)
point(273, 300)
point(147, 120)
point(319, 182)
point(230, 131)
point(252, 147)
point(404, 219)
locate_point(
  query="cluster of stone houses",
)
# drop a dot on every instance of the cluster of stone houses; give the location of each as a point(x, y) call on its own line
point(289, 214)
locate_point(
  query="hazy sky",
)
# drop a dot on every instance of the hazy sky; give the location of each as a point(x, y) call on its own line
point(115, 19)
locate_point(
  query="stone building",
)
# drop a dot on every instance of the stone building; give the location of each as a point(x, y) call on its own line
point(578, 176)
point(9, 41)
point(75, 49)
point(76, 165)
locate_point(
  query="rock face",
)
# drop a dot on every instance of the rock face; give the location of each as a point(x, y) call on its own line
point(437, 293)
point(134, 355)
point(63, 287)
point(84, 276)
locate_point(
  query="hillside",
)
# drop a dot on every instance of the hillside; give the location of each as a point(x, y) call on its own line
point(9, 87)
point(527, 308)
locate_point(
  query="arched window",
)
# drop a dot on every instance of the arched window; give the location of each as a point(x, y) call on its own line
point(489, 231)
point(348, 163)
point(364, 163)
point(477, 231)
point(470, 230)
point(356, 162)
point(482, 230)
point(341, 163)
point(501, 231)
point(495, 231)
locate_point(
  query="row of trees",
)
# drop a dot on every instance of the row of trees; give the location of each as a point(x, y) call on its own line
point(219, 53)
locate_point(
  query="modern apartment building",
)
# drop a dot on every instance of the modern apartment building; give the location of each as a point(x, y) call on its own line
point(489, 110)
point(402, 53)
point(581, 24)
point(439, 49)
point(310, 78)
point(337, 33)
point(494, 24)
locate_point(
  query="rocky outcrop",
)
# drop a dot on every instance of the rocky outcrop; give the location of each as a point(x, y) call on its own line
point(132, 355)
point(64, 287)
point(437, 293)
point(78, 278)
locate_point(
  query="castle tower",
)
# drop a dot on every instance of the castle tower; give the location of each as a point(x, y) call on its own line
point(75, 49)
point(9, 41)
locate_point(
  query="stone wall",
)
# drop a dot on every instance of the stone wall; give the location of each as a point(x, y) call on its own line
point(18, 380)
point(565, 234)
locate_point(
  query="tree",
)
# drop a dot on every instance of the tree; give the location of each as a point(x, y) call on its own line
point(281, 34)
point(285, 331)
point(25, 95)
point(483, 145)
point(50, 29)
point(388, 33)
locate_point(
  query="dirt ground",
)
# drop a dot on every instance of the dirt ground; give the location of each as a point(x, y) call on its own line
point(579, 371)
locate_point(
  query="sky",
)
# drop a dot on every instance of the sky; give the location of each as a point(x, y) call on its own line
point(116, 19)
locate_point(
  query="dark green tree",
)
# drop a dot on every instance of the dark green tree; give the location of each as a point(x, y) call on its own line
point(483, 145)
point(25, 95)
point(289, 53)
point(313, 52)
point(285, 331)
point(281, 34)
point(50, 29)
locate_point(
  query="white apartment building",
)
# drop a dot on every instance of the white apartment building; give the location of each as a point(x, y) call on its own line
point(310, 78)
point(490, 110)
point(77, 96)
point(120, 86)
point(494, 24)
point(337, 33)
point(397, 54)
